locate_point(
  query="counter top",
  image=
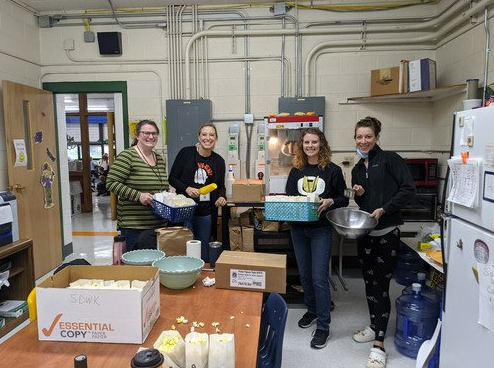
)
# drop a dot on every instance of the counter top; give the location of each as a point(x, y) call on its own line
point(412, 243)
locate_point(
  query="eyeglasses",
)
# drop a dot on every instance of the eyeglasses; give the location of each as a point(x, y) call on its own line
point(150, 134)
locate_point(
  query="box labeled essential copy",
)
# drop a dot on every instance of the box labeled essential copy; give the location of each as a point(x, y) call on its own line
point(253, 271)
point(119, 315)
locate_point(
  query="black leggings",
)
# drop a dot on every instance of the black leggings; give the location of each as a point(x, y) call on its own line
point(377, 254)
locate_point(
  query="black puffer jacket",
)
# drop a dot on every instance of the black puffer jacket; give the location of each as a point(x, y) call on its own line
point(387, 183)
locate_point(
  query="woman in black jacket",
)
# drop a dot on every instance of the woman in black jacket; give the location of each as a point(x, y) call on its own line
point(382, 184)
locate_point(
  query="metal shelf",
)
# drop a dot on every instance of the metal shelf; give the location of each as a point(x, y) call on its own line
point(410, 97)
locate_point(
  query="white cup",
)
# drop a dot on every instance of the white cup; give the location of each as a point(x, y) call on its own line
point(194, 248)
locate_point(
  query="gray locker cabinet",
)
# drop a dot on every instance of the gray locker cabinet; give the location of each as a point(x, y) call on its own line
point(183, 119)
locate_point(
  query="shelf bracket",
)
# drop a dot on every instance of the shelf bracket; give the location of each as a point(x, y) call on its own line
point(363, 36)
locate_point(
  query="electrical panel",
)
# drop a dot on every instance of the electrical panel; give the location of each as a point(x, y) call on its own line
point(183, 119)
point(292, 105)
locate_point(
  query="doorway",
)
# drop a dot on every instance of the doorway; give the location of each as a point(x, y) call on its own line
point(96, 96)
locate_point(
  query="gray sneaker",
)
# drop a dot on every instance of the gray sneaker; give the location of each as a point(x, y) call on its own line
point(320, 339)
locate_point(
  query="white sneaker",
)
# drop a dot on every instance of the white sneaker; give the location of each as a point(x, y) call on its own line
point(377, 359)
point(365, 335)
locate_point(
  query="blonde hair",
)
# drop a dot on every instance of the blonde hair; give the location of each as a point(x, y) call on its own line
point(300, 158)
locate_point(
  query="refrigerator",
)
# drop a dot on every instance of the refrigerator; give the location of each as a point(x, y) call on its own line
point(467, 337)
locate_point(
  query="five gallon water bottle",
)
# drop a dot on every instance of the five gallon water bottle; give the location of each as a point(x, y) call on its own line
point(408, 264)
point(416, 319)
point(425, 290)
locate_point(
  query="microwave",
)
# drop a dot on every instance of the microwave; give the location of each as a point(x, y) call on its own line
point(424, 171)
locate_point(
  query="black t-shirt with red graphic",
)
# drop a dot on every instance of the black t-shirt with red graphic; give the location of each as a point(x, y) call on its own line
point(190, 169)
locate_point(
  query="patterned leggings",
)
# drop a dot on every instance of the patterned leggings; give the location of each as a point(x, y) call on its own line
point(377, 254)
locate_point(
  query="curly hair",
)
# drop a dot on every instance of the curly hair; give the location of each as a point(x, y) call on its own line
point(300, 158)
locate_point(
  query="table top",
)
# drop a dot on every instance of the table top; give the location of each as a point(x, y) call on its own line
point(412, 243)
point(198, 303)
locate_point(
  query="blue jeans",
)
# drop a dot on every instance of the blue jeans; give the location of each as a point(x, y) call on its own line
point(312, 248)
point(201, 227)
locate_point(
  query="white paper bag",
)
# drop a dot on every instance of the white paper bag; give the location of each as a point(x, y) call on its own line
point(221, 351)
point(196, 350)
point(172, 346)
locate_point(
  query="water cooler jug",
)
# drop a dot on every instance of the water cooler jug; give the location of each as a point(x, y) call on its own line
point(425, 290)
point(416, 319)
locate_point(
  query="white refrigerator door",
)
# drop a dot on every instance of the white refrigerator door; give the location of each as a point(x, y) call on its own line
point(464, 342)
point(473, 134)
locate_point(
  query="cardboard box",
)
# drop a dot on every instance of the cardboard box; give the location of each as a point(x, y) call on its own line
point(98, 315)
point(251, 271)
point(247, 190)
point(385, 81)
point(422, 74)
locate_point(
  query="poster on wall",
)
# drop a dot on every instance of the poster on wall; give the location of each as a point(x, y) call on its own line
point(20, 152)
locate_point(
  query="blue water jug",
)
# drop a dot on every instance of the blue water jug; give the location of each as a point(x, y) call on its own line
point(416, 319)
point(425, 290)
point(408, 264)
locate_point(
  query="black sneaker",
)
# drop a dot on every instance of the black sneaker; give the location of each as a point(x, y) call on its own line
point(320, 339)
point(331, 308)
point(307, 320)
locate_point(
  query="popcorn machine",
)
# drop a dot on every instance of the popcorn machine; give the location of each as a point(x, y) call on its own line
point(282, 134)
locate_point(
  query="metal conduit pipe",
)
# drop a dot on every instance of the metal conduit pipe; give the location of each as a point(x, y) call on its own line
point(410, 41)
point(487, 52)
point(426, 22)
point(160, 82)
point(367, 49)
point(179, 42)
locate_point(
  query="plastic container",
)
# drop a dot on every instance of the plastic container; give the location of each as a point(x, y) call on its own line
point(416, 319)
point(148, 358)
point(408, 265)
point(291, 211)
point(173, 214)
point(426, 291)
point(230, 179)
point(119, 248)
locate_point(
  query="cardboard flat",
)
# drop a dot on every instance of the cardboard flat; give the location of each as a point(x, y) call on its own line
point(385, 81)
point(247, 190)
point(253, 271)
point(98, 315)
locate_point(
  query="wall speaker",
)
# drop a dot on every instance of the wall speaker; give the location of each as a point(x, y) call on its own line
point(110, 43)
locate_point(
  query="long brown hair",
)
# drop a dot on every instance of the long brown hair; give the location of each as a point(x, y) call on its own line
point(300, 158)
point(139, 127)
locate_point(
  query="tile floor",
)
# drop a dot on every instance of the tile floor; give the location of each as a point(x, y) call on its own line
point(93, 237)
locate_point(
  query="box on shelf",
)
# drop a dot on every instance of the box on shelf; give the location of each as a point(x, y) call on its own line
point(251, 271)
point(96, 315)
point(385, 81)
point(422, 74)
point(247, 190)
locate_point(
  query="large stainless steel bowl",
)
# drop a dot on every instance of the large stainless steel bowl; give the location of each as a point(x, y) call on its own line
point(351, 223)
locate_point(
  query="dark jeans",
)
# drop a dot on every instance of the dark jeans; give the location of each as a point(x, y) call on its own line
point(312, 248)
point(201, 227)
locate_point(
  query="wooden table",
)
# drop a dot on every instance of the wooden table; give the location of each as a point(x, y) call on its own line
point(200, 304)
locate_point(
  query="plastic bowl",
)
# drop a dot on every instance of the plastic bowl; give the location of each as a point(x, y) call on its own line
point(142, 257)
point(351, 223)
point(179, 272)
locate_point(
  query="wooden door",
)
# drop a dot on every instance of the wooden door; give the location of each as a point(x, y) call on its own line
point(33, 174)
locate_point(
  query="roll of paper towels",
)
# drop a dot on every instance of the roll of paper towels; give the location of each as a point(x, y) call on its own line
point(194, 248)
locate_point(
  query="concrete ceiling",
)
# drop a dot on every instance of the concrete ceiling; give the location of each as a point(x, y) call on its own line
point(60, 6)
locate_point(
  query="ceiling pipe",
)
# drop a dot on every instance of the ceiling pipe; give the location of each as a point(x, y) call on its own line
point(417, 40)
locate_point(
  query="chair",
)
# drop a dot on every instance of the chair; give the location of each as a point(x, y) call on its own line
point(272, 330)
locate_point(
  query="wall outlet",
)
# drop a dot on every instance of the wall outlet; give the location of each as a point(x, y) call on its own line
point(348, 161)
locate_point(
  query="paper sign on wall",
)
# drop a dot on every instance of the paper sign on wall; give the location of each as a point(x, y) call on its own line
point(20, 152)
